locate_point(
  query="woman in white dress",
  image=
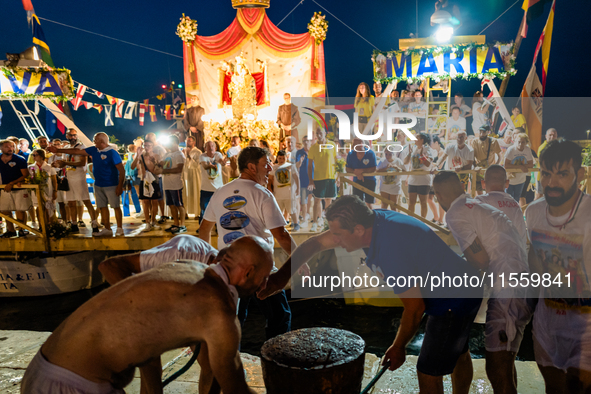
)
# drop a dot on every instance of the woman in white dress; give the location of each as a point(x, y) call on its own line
point(192, 177)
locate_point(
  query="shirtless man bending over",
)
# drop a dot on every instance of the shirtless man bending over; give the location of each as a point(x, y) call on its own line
point(132, 323)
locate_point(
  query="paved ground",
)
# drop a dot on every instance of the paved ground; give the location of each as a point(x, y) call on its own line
point(17, 348)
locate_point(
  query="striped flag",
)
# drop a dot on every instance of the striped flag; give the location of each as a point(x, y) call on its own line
point(167, 112)
point(79, 94)
point(28, 6)
point(99, 94)
point(152, 112)
point(109, 115)
point(112, 100)
point(87, 105)
point(532, 10)
point(534, 89)
point(119, 107)
point(142, 112)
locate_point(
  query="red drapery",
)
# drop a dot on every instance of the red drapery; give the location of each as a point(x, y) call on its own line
point(259, 79)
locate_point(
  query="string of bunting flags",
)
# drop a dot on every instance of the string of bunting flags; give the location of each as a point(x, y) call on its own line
point(117, 109)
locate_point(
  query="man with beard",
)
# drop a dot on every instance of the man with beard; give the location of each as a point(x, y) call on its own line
point(129, 325)
point(560, 224)
point(487, 152)
point(78, 189)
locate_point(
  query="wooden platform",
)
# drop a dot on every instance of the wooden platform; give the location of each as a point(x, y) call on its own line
point(134, 239)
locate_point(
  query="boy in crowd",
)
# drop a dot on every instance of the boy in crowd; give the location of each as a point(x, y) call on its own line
point(284, 182)
point(174, 161)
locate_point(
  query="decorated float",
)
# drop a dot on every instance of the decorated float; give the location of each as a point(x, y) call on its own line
point(241, 74)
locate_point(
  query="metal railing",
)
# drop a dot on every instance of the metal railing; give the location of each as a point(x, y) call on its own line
point(473, 174)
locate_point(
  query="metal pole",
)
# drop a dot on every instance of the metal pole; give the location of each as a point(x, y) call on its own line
point(417, 19)
point(518, 39)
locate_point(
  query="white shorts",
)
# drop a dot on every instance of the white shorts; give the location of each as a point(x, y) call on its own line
point(43, 377)
point(290, 205)
point(506, 319)
point(571, 350)
point(78, 190)
point(393, 188)
point(16, 200)
point(61, 196)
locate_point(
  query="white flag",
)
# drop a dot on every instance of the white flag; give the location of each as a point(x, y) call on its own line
point(119, 108)
point(108, 115)
point(129, 111)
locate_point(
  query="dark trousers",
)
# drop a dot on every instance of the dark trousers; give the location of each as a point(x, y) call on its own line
point(276, 311)
point(204, 198)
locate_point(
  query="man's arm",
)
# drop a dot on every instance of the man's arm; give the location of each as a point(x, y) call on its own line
point(69, 151)
point(121, 170)
point(442, 161)
point(117, 268)
point(284, 239)
point(311, 171)
point(414, 307)
point(468, 165)
point(301, 255)
point(222, 338)
point(176, 170)
point(205, 230)
point(476, 255)
point(10, 185)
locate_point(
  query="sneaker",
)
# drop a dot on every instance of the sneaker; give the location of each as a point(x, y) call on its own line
point(155, 226)
point(147, 229)
point(296, 227)
point(9, 234)
point(106, 232)
point(162, 220)
point(320, 223)
point(139, 215)
point(170, 229)
point(81, 224)
point(179, 229)
point(94, 225)
point(119, 232)
point(307, 219)
point(314, 227)
point(23, 233)
point(74, 229)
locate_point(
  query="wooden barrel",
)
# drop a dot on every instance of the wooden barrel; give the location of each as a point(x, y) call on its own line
point(314, 361)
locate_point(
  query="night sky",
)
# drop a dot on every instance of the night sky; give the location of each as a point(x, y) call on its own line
point(134, 73)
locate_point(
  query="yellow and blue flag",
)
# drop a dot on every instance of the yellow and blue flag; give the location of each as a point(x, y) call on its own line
point(39, 41)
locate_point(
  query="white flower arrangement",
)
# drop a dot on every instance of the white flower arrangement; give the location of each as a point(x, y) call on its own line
point(317, 27)
point(187, 29)
point(246, 129)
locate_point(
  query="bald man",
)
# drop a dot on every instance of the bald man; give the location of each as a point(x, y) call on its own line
point(129, 325)
point(495, 183)
point(491, 242)
point(109, 176)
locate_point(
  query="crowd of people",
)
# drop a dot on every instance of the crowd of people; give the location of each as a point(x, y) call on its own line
point(250, 192)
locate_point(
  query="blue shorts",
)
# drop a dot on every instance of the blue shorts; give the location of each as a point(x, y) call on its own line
point(174, 197)
point(446, 339)
point(325, 188)
point(161, 188)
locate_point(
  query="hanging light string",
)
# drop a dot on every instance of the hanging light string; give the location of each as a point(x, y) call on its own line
point(289, 13)
point(512, 5)
point(111, 38)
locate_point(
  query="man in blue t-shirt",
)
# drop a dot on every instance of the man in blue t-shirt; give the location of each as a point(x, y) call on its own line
point(362, 160)
point(13, 170)
point(399, 246)
point(301, 161)
point(109, 176)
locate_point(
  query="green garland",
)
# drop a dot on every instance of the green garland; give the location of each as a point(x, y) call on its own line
point(440, 50)
point(9, 73)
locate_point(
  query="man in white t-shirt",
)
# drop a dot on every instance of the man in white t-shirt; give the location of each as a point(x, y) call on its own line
point(235, 148)
point(172, 182)
point(76, 174)
point(455, 123)
point(285, 182)
point(494, 183)
point(559, 229)
point(211, 174)
point(491, 242)
point(246, 207)
point(181, 247)
point(458, 156)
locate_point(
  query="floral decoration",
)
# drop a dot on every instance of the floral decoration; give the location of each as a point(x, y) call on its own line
point(187, 29)
point(317, 27)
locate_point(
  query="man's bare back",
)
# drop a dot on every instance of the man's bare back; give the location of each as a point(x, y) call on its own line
point(129, 324)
